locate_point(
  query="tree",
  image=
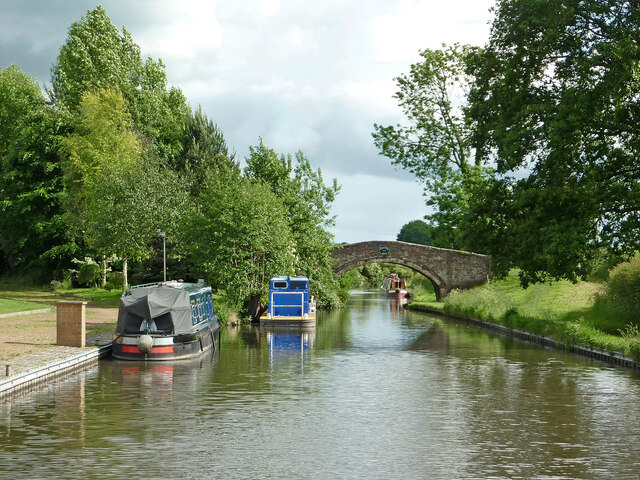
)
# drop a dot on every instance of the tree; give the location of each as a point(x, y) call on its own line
point(102, 142)
point(32, 230)
point(555, 106)
point(416, 231)
point(96, 55)
point(239, 237)
point(307, 201)
point(204, 151)
point(116, 197)
point(128, 205)
point(435, 145)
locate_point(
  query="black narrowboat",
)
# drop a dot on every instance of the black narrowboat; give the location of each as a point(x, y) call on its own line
point(165, 321)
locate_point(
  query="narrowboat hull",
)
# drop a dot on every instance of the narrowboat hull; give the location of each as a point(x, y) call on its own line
point(168, 347)
point(285, 321)
point(397, 293)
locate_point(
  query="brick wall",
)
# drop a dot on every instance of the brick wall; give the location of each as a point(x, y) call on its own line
point(71, 324)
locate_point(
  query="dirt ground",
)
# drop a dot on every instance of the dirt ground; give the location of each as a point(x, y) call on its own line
point(34, 334)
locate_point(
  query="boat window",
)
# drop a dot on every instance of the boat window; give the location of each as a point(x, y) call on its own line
point(194, 313)
point(209, 306)
point(279, 284)
point(200, 312)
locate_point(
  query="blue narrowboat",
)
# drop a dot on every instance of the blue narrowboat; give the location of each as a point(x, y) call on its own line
point(289, 302)
point(165, 321)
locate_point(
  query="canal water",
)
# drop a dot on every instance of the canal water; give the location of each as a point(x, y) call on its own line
point(372, 392)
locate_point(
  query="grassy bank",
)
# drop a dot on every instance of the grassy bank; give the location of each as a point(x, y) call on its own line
point(8, 305)
point(95, 297)
point(574, 314)
point(14, 298)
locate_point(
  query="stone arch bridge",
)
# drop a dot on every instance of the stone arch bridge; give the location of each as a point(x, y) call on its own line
point(446, 269)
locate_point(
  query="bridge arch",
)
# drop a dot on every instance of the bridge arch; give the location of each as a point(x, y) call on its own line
point(446, 269)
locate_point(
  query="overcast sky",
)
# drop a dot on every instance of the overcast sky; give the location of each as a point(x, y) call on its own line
point(310, 76)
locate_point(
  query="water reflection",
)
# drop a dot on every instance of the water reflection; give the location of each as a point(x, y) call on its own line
point(373, 391)
point(288, 340)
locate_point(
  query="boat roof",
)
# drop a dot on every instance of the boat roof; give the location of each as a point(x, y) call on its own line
point(286, 277)
point(187, 286)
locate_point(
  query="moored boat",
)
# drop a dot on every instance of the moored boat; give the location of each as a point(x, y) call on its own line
point(289, 302)
point(165, 321)
point(395, 286)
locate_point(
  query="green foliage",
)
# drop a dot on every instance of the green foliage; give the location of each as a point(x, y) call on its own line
point(623, 288)
point(632, 335)
point(204, 151)
point(116, 278)
point(120, 199)
point(32, 231)
point(550, 103)
point(416, 231)
point(570, 313)
point(374, 274)
point(129, 206)
point(103, 139)
point(239, 236)
point(435, 145)
point(353, 279)
point(96, 56)
point(554, 105)
point(307, 201)
point(89, 274)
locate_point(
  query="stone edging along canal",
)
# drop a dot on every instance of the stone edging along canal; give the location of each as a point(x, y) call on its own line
point(614, 358)
point(35, 378)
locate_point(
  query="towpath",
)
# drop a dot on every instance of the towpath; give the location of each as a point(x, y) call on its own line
point(28, 340)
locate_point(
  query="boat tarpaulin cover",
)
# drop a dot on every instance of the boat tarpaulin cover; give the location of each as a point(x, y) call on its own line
point(166, 308)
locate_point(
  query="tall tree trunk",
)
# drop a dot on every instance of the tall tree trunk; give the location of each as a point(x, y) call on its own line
point(103, 267)
point(125, 280)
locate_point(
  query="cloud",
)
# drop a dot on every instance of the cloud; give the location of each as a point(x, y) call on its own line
point(268, 7)
point(428, 25)
point(374, 208)
point(187, 35)
point(303, 76)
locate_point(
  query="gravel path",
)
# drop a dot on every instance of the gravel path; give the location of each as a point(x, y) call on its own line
point(27, 342)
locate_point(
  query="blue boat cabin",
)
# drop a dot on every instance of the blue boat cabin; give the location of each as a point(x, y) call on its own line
point(288, 296)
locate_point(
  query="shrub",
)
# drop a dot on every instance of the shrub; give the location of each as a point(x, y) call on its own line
point(623, 288)
point(116, 279)
point(89, 274)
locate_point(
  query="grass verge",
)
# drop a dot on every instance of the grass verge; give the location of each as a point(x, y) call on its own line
point(8, 305)
point(573, 314)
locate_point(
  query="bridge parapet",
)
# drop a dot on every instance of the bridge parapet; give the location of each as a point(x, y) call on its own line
point(447, 269)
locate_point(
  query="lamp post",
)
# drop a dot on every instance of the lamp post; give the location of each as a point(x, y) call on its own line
point(164, 254)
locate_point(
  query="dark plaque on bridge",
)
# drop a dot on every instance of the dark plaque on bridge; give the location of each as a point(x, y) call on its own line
point(384, 251)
